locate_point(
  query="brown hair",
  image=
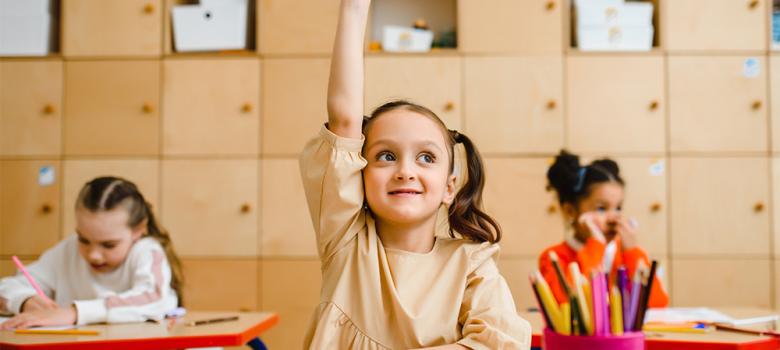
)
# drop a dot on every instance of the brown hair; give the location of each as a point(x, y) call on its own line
point(465, 214)
point(106, 193)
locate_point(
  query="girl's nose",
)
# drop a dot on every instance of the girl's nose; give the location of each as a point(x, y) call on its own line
point(94, 255)
point(404, 173)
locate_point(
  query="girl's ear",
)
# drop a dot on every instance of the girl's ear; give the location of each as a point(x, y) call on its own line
point(570, 211)
point(450, 191)
point(138, 231)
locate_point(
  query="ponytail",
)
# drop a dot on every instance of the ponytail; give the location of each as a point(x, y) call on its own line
point(465, 214)
point(106, 193)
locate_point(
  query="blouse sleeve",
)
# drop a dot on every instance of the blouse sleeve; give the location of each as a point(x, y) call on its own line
point(658, 296)
point(488, 315)
point(16, 289)
point(332, 174)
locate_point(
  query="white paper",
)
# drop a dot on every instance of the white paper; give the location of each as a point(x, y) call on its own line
point(672, 315)
point(58, 328)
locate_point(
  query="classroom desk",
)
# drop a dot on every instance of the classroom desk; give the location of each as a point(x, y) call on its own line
point(717, 340)
point(151, 335)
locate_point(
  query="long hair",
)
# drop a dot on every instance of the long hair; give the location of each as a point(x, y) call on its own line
point(106, 193)
point(466, 216)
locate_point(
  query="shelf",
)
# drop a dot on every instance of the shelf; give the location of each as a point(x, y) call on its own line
point(251, 35)
point(440, 17)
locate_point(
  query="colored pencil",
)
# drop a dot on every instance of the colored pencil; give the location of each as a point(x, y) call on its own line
point(213, 320)
point(624, 294)
point(606, 327)
point(588, 301)
point(29, 278)
point(549, 302)
point(587, 324)
point(734, 329)
point(170, 324)
point(60, 332)
point(559, 273)
point(598, 300)
point(617, 313)
point(566, 319)
point(645, 298)
point(542, 310)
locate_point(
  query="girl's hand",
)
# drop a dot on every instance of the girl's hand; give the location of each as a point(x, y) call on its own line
point(626, 232)
point(586, 228)
point(38, 302)
point(63, 316)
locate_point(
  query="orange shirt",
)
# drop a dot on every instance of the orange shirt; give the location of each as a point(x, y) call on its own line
point(590, 257)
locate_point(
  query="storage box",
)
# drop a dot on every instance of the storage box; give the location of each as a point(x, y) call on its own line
point(406, 39)
point(25, 27)
point(615, 38)
point(627, 341)
point(614, 12)
point(210, 28)
point(25, 7)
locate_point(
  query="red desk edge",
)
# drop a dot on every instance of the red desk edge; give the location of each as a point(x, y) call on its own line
point(159, 343)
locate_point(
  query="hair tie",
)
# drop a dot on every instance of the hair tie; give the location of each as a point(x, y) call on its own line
point(455, 135)
point(580, 179)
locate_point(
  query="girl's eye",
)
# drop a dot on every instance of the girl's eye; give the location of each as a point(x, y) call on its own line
point(385, 157)
point(601, 209)
point(109, 246)
point(425, 158)
point(83, 241)
point(619, 208)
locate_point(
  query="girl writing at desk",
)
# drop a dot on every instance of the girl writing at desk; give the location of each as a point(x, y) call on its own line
point(591, 198)
point(374, 187)
point(119, 267)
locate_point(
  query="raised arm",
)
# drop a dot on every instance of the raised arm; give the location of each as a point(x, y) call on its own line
point(345, 87)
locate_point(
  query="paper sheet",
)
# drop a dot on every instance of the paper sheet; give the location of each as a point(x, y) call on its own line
point(58, 328)
point(673, 315)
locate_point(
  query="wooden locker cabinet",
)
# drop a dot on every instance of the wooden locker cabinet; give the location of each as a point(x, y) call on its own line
point(433, 82)
point(93, 28)
point(510, 26)
point(776, 202)
point(714, 107)
point(210, 206)
point(774, 88)
point(616, 104)
point(144, 173)
point(715, 25)
point(516, 196)
point(296, 26)
point(514, 104)
point(293, 298)
point(721, 283)
point(515, 272)
point(29, 212)
point(295, 108)
point(112, 108)
point(211, 106)
point(220, 285)
point(287, 229)
point(720, 206)
point(31, 108)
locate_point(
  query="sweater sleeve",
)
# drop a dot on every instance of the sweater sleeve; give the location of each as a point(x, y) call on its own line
point(332, 174)
point(16, 289)
point(488, 315)
point(150, 296)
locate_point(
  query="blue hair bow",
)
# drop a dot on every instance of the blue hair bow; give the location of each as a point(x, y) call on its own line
point(580, 179)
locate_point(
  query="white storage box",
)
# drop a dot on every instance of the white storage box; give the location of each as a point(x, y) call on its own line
point(614, 12)
point(25, 35)
point(615, 38)
point(210, 28)
point(24, 7)
point(405, 39)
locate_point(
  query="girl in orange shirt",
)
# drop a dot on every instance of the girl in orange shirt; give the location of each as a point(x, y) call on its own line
point(591, 197)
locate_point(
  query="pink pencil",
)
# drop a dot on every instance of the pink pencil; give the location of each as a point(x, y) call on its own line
point(29, 278)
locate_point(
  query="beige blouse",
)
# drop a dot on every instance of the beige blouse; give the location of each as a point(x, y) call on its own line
point(378, 298)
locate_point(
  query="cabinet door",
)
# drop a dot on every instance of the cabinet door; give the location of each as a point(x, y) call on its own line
point(211, 107)
point(297, 26)
point(220, 285)
point(111, 28)
point(513, 104)
point(31, 108)
point(714, 107)
point(516, 196)
point(721, 283)
point(776, 202)
point(510, 26)
point(645, 200)
point(711, 25)
point(720, 206)
point(774, 88)
point(8, 267)
point(287, 227)
point(210, 206)
point(292, 298)
point(294, 103)
point(29, 206)
point(433, 82)
point(616, 104)
point(112, 108)
point(144, 173)
point(515, 272)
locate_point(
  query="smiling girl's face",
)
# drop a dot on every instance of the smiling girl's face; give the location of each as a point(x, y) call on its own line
point(605, 202)
point(407, 177)
point(105, 238)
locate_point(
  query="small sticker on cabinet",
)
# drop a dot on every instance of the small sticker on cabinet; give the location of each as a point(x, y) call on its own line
point(46, 176)
point(657, 167)
point(752, 68)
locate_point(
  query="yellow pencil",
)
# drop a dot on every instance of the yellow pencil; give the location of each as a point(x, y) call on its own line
point(616, 305)
point(566, 311)
point(60, 332)
point(589, 302)
point(550, 304)
point(574, 271)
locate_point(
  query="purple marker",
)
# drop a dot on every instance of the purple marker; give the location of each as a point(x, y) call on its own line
point(624, 294)
point(636, 287)
point(607, 326)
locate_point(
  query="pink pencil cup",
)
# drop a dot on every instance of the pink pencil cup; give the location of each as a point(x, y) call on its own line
point(627, 341)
